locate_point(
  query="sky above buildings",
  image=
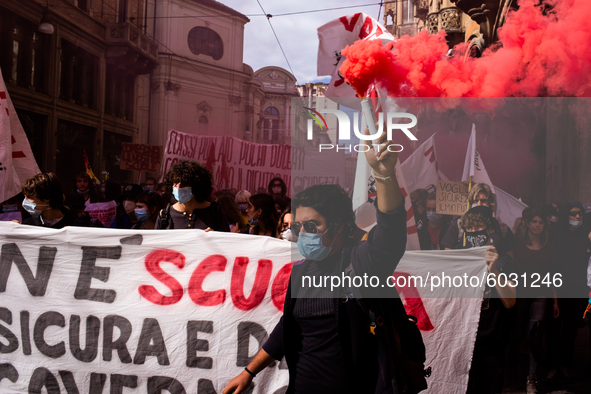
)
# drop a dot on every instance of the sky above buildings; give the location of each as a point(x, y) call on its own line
point(297, 32)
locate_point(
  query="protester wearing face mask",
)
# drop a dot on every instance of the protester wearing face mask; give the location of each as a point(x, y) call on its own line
point(492, 336)
point(431, 235)
point(480, 195)
point(44, 202)
point(150, 184)
point(571, 245)
point(327, 342)
point(278, 190)
point(146, 210)
point(191, 184)
point(284, 227)
point(125, 217)
point(242, 198)
point(262, 215)
point(86, 188)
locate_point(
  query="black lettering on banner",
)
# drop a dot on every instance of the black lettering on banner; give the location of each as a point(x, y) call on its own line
point(93, 326)
point(9, 372)
point(194, 344)
point(25, 333)
point(88, 271)
point(132, 240)
point(245, 330)
point(69, 382)
point(42, 378)
point(6, 316)
point(47, 319)
point(120, 381)
point(35, 284)
point(109, 345)
point(97, 383)
point(158, 383)
point(151, 332)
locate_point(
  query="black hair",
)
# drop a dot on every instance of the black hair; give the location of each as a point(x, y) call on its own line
point(193, 174)
point(332, 203)
point(268, 216)
point(151, 199)
point(283, 186)
point(230, 209)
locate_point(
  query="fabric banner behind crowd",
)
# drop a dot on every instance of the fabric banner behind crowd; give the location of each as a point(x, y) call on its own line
point(247, 165)
point(17, 162)
point(90, 307)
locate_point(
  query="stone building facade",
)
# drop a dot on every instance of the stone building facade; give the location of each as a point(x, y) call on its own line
point(76, 90)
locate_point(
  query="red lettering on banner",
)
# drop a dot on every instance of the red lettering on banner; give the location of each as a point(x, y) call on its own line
point(367, 28)
point(3, 95)
point(413, 302)
point(19, 154)
point(349, 26)
point(259, 286)
point(279, 286)
point(207, 266)
point(152, 263)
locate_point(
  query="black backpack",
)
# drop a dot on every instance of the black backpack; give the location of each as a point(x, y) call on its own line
point(398, 333)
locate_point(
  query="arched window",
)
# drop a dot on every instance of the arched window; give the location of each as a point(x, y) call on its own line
point(271, 126)
point(203, 125)
point(204, 41)
point(272, 111)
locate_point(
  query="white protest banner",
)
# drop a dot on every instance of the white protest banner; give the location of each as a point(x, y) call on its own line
point(420, 168)
point(448, 324)
point(87, 308)
point(17, 162)
point(105, 212)
point(473, 165)
point(84, 308)
point(250, 165)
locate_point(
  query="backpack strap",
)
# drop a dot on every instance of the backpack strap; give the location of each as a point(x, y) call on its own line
point(165, 221)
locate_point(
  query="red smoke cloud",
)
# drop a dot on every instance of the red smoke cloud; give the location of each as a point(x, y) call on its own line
point(540, 55)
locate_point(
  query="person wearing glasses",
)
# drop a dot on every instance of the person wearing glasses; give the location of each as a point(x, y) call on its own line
point(571, 245)
point(278, 190)
point(480, 195)
point(492, 336)
point(327, 342)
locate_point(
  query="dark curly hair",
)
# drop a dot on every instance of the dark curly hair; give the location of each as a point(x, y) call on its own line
point(283, 186)
point(332, 203)
point(45, 186)
point(191, 173)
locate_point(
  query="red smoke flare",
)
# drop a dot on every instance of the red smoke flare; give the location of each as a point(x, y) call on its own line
point(539, 55)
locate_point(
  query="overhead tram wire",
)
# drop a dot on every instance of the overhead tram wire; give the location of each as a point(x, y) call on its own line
point(269, 16)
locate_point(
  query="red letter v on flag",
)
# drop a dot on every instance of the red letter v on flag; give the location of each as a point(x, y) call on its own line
point(349, 26)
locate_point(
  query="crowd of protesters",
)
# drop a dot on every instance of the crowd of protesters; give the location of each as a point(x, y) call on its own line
point(535, 325)
point(542, 320)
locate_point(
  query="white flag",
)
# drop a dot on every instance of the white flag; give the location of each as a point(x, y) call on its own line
point(508, 207)
point(364, 194)
point(17, 162)
point(420, 169)
point(473, 166)
point(336, 35)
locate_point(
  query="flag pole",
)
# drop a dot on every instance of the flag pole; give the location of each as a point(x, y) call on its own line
point(469, 188)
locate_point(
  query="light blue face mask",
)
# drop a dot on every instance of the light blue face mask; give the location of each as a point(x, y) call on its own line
point(311, 247)
point(142, 214)
point(31, 208)
point(575, 223)
point(183, 194)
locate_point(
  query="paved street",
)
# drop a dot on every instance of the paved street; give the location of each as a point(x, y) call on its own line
point(581, 376)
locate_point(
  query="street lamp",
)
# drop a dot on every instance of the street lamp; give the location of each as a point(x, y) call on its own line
point(46, 27)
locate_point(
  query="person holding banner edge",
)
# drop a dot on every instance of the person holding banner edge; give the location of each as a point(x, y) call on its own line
point(327, 343)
